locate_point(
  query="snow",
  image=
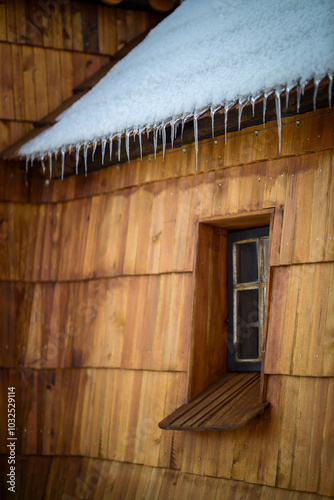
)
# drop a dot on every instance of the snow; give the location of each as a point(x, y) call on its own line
point(205, 55)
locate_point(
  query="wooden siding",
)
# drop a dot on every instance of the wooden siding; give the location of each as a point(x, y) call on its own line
point(68, 478)
point(289, 447)
point(49, 48)
point(74, 26)
point(97, 272)
point(301, 321)
point(129, 322)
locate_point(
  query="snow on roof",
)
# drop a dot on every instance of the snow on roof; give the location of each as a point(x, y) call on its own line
point(205, 55)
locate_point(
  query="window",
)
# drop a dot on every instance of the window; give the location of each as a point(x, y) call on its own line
point(226, 386)
point(247, 275)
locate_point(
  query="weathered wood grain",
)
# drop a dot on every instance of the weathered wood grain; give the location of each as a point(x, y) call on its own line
point(301, 329)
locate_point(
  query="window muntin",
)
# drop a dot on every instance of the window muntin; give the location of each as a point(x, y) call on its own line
point(247, 274)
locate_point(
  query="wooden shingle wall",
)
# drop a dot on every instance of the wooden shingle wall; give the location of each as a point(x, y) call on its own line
point(97, 289)
point(49, 47)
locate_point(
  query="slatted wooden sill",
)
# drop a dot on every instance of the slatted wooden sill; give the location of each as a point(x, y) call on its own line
point(229, 403)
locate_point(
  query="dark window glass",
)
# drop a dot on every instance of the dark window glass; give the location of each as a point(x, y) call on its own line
point(246, 265)
point(247, 324)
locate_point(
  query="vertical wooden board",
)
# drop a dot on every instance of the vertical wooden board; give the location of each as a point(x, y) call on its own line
point(288, 430)
point(156, 227)
point(328, 341)
point(315, 392)
point(77, 33)
point(282, 292)
point(79, 68)
point(321, 341)
point(303, 327)
point(149, 325)
point(95, 256)
point(74, 228)
point(176, 344)
point(66, 13)
point(321, 203)
point(144, 224)
point(136, 201)
point(183, 222)
point(133, 331)
point(29, 83)
point(89, 28)
point(11, 22)
point(56, 27)
point(3, 22)
point(107, 30)
point(326, 481)
point(16, 57)
point(53, 78)
point(168, 228)
point(7, 83)
point(121, 35)
point(21, 21)
point(41, 82)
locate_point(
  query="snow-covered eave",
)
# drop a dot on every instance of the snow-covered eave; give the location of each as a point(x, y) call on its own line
point(176, 124)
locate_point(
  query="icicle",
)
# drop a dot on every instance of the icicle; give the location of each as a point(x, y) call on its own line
point(330, 85)
point(50, 163)
point(227, 106)
point(300, 92)
point(155, 140)
point(119, 146)
point(163, 140)
point(62, 163)
point(43, 164)
point(127, 144)
point(172, 132)
point(110, 147)
point(265, 100)
point(27, 164)
point(148, 133)
point(182, 127)
point(103, 149)
point(140, 144)
point(77, 151)
point(195, 117)
point(85, 157)
point(176, 126)
point(315, 93)
point(213, 110)
point(287, 94)
point(253, 101)
point(278, 116)
point(242, 104)
point(32, 160)
point(94, 150)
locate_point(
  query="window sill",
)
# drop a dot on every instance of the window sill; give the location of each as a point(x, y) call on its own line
point(229, 403)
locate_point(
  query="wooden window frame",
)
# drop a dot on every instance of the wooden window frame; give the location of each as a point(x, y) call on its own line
point(234, 238)
point(219, 400)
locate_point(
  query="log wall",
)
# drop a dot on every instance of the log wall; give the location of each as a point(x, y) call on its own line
point(97, 282)
point(47, 48)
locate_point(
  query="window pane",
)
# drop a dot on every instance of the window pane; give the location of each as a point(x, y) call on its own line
point(246, 261)
point(265, 244)
point(247, 324)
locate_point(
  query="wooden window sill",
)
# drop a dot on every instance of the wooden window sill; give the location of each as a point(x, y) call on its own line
point(229, 403)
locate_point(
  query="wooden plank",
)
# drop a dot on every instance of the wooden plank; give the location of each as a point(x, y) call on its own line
point(3, 22)
point(29, 83)
point(300, 335)
point(53, 79)
point(228, 404)
point(7, 95)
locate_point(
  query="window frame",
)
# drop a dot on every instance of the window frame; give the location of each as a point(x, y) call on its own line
point(252, 234)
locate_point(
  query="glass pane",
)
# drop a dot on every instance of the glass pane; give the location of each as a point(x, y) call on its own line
point(247, 324)
point(246, 261)
point(265, 244)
